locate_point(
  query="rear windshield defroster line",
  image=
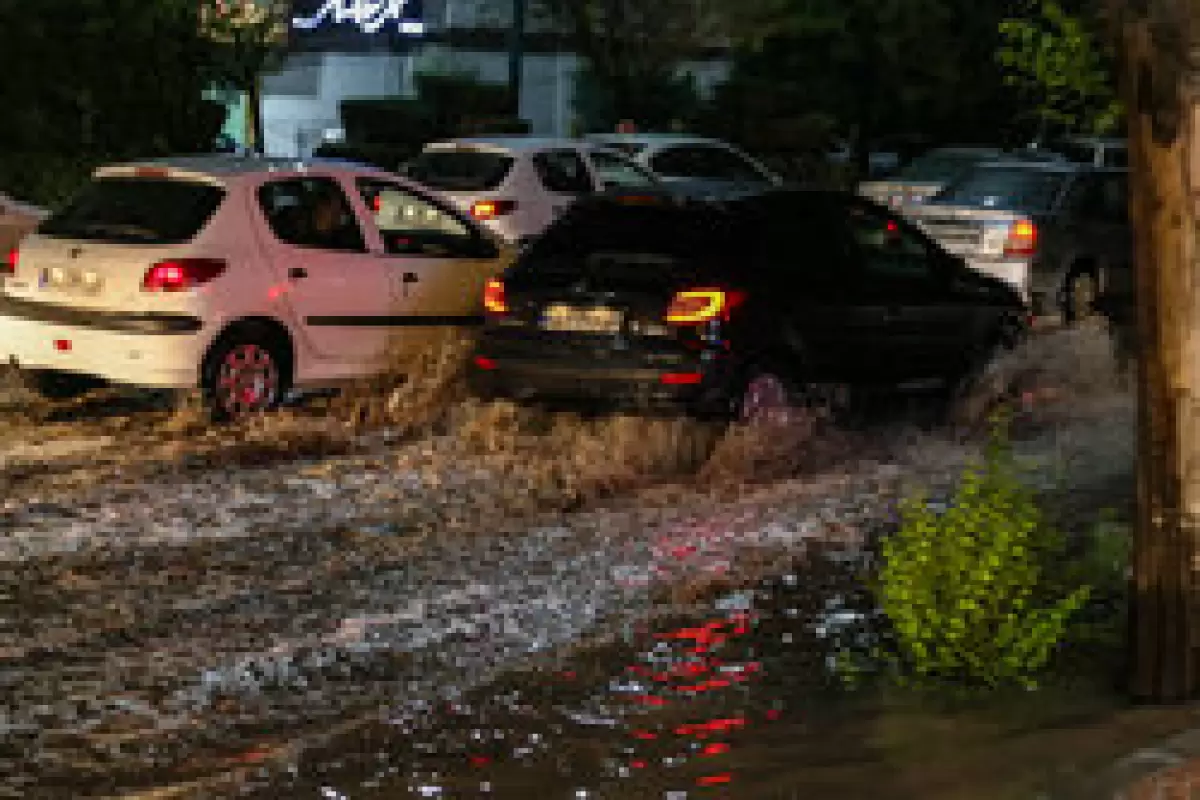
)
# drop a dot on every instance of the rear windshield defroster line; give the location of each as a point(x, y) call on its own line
point(460, 170)
point(136, 211)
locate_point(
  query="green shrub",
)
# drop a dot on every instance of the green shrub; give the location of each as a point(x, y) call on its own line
point(964, 591)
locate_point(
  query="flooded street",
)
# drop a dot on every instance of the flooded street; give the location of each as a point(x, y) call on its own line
point(384, 614)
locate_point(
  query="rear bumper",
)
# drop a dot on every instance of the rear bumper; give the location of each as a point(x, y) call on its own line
point(162, 353)
point(698, 389)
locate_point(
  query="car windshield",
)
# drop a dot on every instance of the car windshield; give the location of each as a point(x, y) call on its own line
point(1009, 188)
point(136, 210)
point(460, 170)
point(937, 167)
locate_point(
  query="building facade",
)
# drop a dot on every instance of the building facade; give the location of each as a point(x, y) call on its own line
point(359, 56)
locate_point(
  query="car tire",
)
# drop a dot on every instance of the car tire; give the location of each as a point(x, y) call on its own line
point(56, 385)
point(976, 389)
point(1079, 297)
point(245, 373)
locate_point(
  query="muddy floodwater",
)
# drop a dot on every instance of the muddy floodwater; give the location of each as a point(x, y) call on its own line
point(666, 711)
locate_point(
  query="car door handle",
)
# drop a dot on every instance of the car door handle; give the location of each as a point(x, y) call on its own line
point(410, 277)
point(297, 273)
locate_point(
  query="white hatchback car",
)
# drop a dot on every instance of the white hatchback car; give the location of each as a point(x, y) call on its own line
point(518, 185)
point(244, 277)
point(695, 162)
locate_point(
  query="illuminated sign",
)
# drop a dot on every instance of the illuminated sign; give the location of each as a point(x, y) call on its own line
point(365, 16)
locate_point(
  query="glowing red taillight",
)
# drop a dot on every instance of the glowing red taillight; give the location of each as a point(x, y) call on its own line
point(1022, 239)
point(696, 306)
point(181, 274)
point(9, 267)
point(494, 301)
point(490, 209)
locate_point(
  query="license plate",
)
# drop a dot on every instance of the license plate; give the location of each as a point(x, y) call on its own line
point(576, 319)
point(71, 281)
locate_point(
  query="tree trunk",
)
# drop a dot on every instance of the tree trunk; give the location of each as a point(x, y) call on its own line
point(1165, 188)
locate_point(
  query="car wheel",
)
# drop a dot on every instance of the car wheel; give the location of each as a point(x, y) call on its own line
point(766, 398)
point(51, 384)
point(245, 374)
point(983, 381)
point(1080, 297)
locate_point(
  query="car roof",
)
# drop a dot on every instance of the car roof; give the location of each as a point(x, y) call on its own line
point(1035, 164)
point(514, 144)
point(223, 167)
point(964, 150)
point(671, 197)
point(1106, 141)
point(651, 138)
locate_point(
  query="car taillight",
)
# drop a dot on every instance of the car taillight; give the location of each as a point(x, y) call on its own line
point(490, 209)
point(1022, 239)
point(9, 267)
point(696, 306)
point(494, 301)
point(181, 274)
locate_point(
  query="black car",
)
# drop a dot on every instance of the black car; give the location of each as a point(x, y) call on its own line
point(724, 308)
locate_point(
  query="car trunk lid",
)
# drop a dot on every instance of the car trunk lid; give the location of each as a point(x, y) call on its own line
point(976, 233)
point(90, 275)
point(94, 253)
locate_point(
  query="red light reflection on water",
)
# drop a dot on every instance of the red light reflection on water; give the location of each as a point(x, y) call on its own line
point(714, 780)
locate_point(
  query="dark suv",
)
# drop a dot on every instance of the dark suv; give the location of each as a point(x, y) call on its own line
point(726, 307)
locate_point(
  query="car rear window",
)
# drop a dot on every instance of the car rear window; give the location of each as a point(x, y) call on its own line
point(938, 167)
point(634, 234)
point(1013, 189)
point(137, 211)
point(460, 170)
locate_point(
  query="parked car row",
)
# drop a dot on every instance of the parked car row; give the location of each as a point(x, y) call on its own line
point(1056, 229)
point(518, 185)
point(250, 277)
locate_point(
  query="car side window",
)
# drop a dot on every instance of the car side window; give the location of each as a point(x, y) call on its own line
point(408, 223)
point(1116, 198)
point(563, 172)
point(617, 170)
point(887, 247)
point(677, 162)
point(1100, 198)
point(723, 164)
point(311, 212)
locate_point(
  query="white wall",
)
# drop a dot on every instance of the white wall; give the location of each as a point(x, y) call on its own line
point(303, 99)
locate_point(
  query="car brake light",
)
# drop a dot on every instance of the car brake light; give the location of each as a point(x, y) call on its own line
point(490, 209)
point(1022, 239)
point(9, 267)
point(494, 301)
point(695, 306)
point(181, 274)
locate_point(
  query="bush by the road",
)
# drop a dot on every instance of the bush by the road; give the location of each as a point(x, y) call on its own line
point(965, 590)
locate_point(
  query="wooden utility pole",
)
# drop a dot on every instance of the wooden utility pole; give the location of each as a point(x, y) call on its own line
point(1159, 75)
